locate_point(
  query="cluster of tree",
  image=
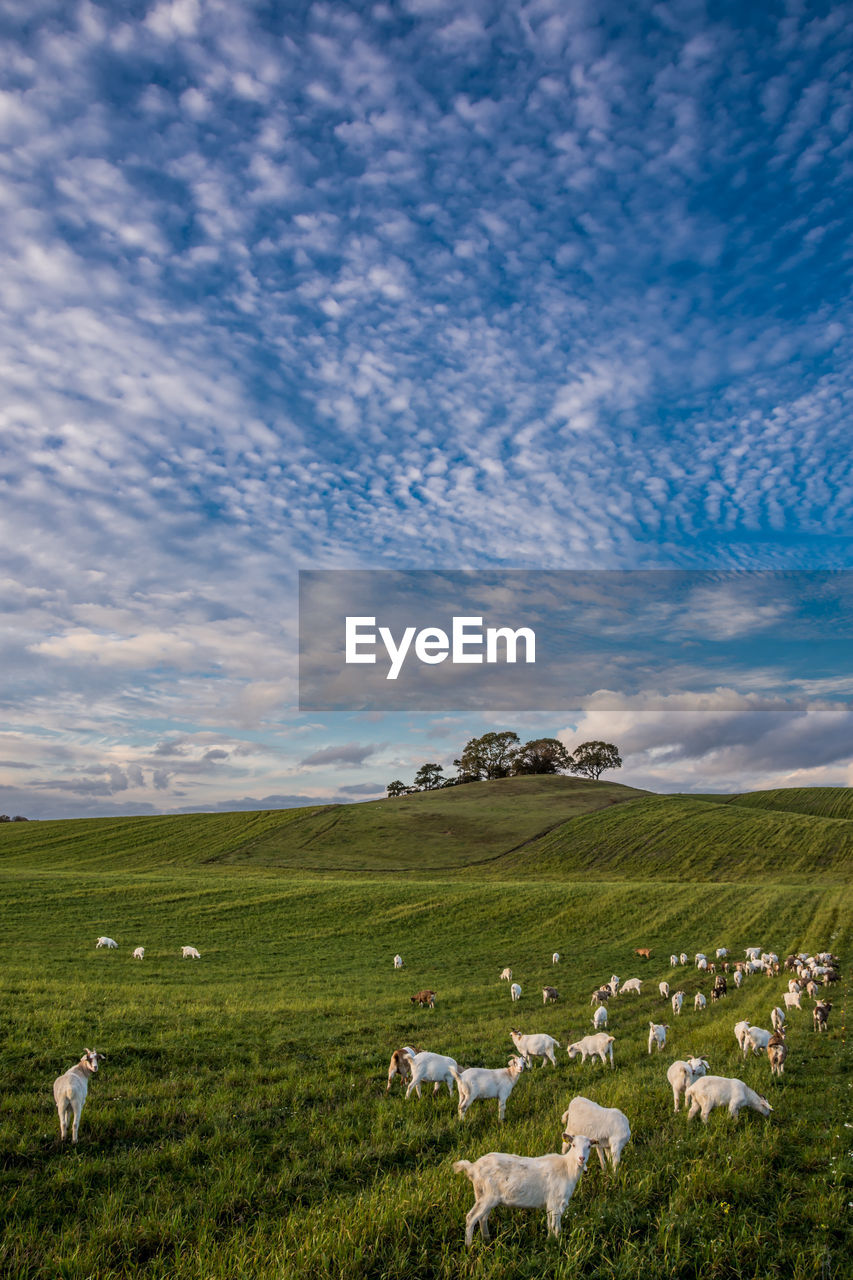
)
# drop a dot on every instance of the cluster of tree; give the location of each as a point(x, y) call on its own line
point(4, 817)
point(501, 755)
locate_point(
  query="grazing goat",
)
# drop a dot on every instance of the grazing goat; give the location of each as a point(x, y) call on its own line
point(677, 1002)
point(523, 1182)
point(550, 995)
point(722, 1091)
point(599, 1018)
point(506, 975)
point(741, 1030)
point(515, 991)
point(401, 1065)
point(682, 1073)
point(430, 1068)
point(398, 962)
point(777, 1018)
point(683, 958)
point(657, 1035)
point(633, 984)
point(820, 1015)
point(485, 1082)
point(109, 943)
point(600, 1046)
point(189, 953)
point(792, 1000)
point(644, 953)
point(607, 1129)
point(699, 1001)
point(722, 952)
point(426, 999)
point(70, 1089)
point(663, 988)
point(601, 996)
point(538, 1045)
point(613, 984)
point(555, 958)
point(139, 953)
point(756, 1039)
point(738, 976)
point(673, 961)
point(777, 1052)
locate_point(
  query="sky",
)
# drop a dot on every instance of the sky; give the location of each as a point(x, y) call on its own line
point(471, 285)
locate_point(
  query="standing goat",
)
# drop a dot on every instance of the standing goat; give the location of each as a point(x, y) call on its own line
point(70, 1089)
point(524, 1182)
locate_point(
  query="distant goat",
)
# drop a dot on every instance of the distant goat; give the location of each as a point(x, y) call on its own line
point(550, 995)
point(515, 991)
point(109, 943)
point(189, 953)
point(139, 953)
point(398, 962)
point(426, 999)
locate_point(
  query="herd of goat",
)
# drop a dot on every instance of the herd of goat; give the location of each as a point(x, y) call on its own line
point(549, 1181)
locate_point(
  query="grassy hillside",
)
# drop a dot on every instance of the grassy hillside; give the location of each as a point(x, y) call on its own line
point(240, 1124)
point(435, 830)
point(673, 837)
point(826, 802)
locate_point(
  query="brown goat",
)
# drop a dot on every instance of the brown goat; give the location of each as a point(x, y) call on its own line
point(401, 1064)
point(820, 1015)
point(426, 999)
point(644, 952)
point(777, 1052)
point(550, 995)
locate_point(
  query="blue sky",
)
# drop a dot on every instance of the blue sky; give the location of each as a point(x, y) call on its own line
point(410, 285)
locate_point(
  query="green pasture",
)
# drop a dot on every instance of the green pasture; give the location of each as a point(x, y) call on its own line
point(240, 1127)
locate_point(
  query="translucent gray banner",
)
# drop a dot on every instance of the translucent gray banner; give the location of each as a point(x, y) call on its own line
point(519, 640)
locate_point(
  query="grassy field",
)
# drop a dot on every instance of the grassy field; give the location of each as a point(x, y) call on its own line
point(240, 1127)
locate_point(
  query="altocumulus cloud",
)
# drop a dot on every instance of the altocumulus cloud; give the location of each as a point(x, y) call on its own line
point(527, 284)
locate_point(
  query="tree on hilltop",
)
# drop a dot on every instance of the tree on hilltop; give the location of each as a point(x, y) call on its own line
point(396, 788)
point(488, 757)
point(590, 759)
point(428, 777)
point(541, 755)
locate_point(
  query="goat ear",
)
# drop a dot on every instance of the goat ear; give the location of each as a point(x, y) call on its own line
point(568, 1137)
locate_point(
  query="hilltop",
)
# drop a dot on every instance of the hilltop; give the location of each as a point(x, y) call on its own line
point(528, 827)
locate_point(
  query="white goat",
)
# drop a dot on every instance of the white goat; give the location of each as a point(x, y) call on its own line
point(432, 1068)
point(657, 1035)
point(663, 988)
point(600, 1046)
point(699, 1001)
point(109, 943)
point(682, 1073)
point(139, 953)
point(555, 958)
point(722, 952)
point(677, 1002)
point(189, 953)
point(673, 961)
point(599, 1018)
point(723, 1091)
point(523, 1182)
point(486, 1082)
point(777, 1018)
point(741, 1029)
point(538, 1045)
point(738, 977)
point(398, 962)
point(633, 984)
point(683, 958)
point(70, 1089)
point(702, 964)
point(515, 991)
point(506, 975)
point(606, 1127)
point(700, 955)
point(794, 986)
point(792, 1000)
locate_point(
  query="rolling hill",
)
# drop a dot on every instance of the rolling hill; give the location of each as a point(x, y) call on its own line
point(553, 827)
